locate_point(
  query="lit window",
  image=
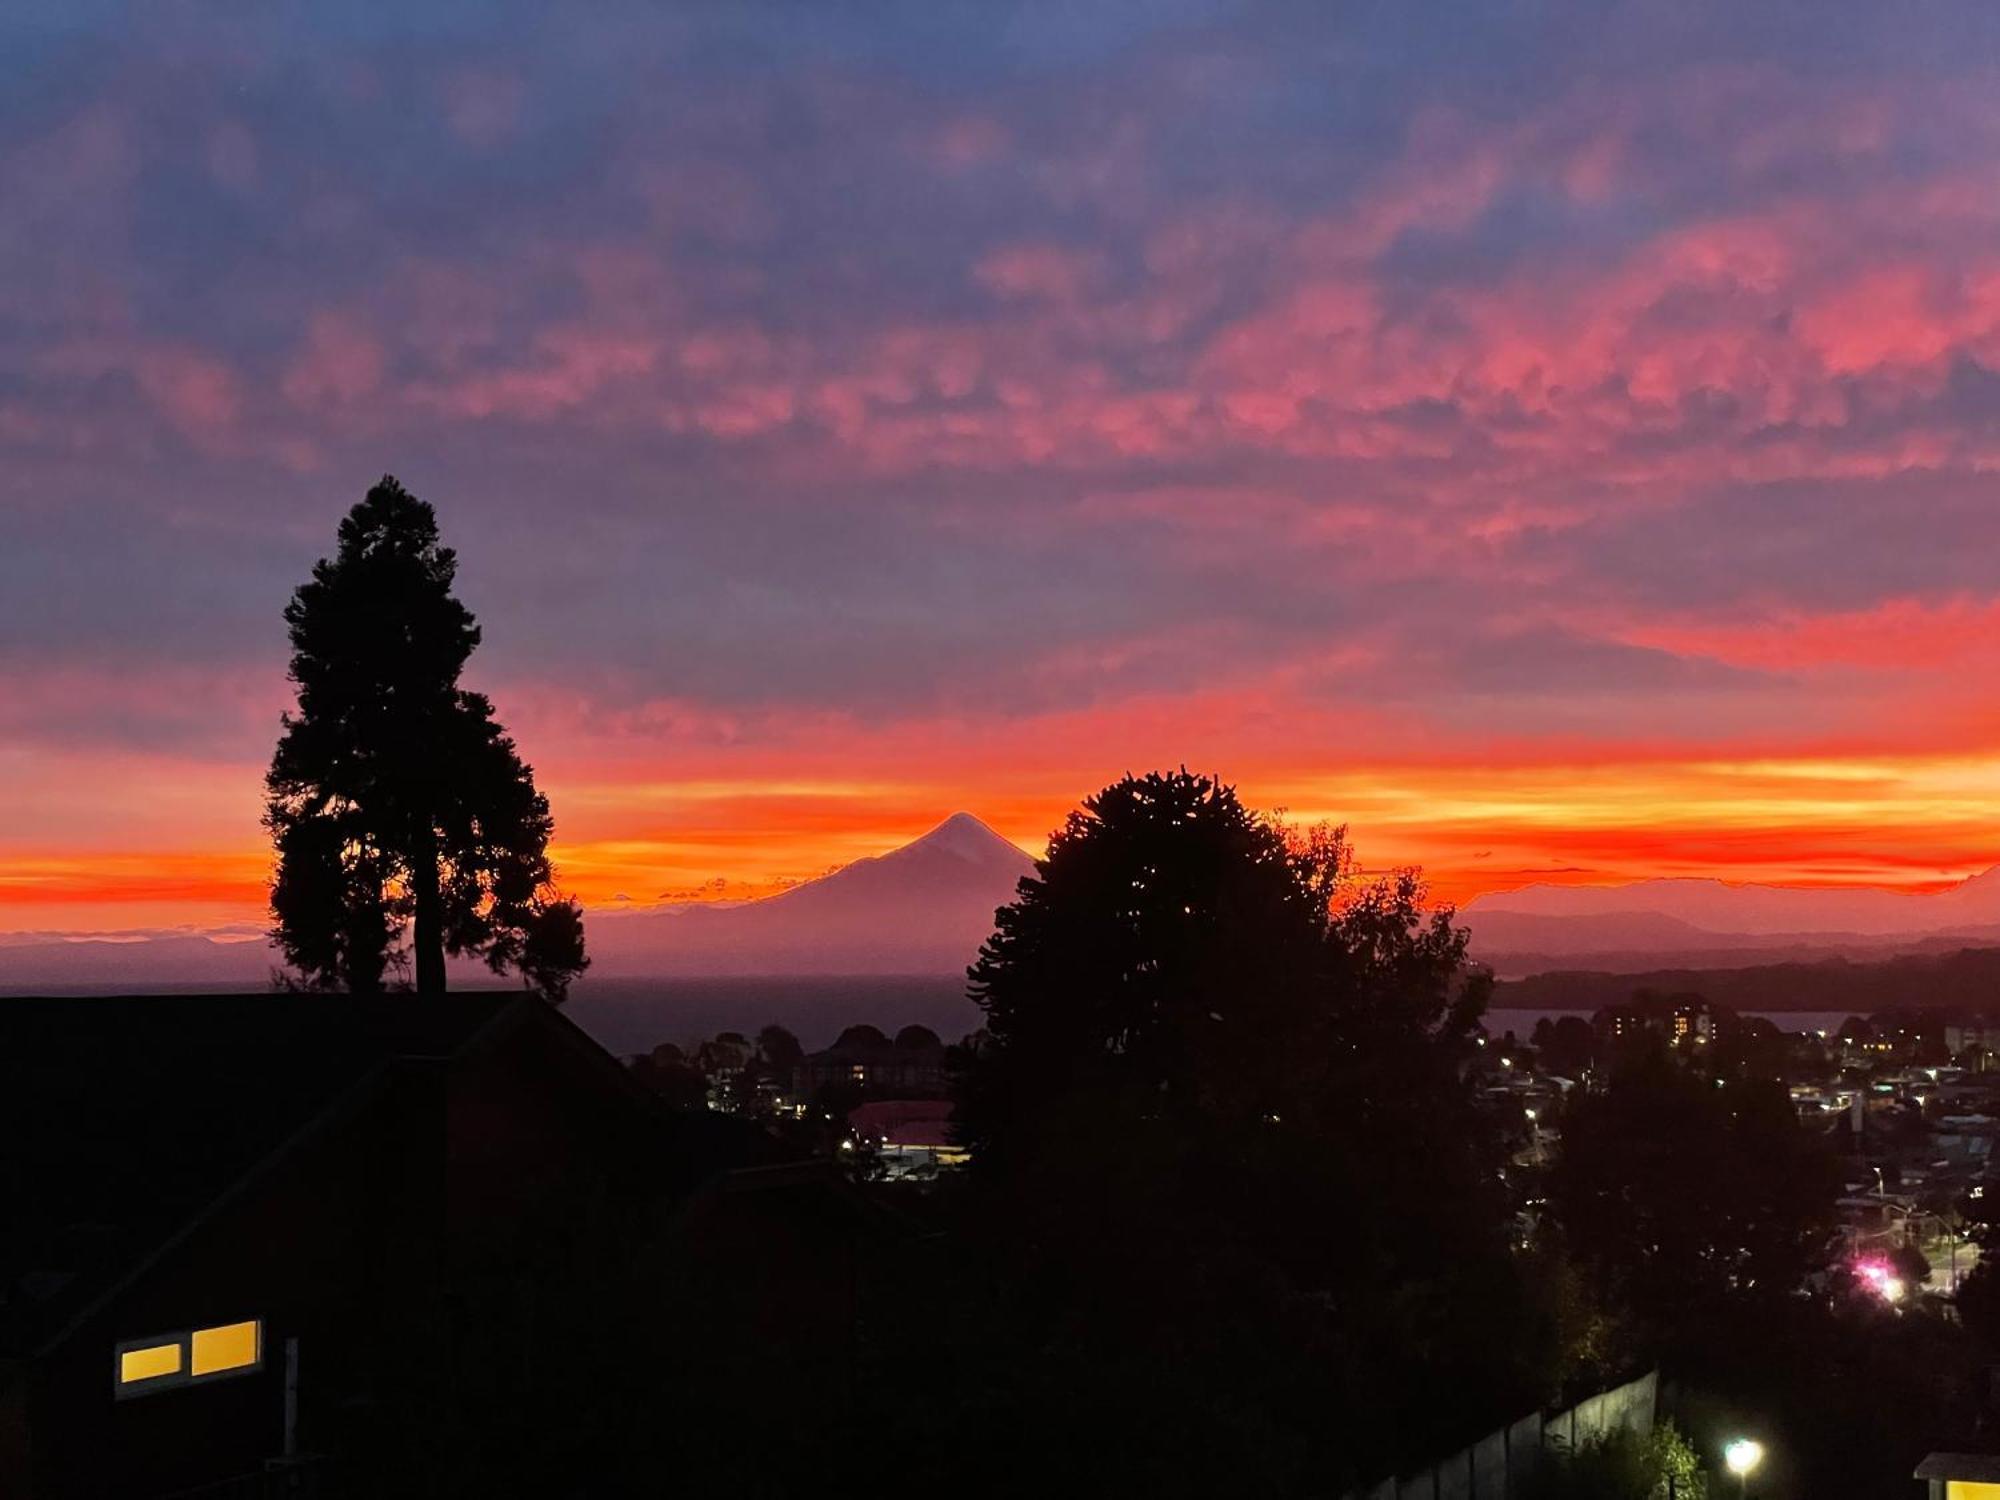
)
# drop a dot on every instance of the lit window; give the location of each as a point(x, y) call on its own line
point(149, 1363)
point(171, 1360)
point(232, 1347)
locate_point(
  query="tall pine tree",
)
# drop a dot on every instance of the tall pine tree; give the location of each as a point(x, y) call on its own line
point(406, 825)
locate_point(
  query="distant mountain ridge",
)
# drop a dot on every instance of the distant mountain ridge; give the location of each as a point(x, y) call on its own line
point(923, 908)
point(1720, 906)
point(1714, 922)
point(1966, 979)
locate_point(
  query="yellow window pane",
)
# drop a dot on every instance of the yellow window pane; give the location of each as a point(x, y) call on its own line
point(148, 1364)
point(1966, 1489)
point(231, 1347)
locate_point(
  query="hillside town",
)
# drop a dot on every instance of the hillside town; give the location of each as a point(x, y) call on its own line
point(1908, 1100)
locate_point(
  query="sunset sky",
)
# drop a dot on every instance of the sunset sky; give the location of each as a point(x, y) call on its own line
point(1558, 439)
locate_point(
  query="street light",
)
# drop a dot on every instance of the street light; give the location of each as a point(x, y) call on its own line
point(1742, 1456)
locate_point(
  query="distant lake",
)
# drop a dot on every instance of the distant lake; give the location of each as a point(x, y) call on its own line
point(636, 1015)
point(1522, 1022)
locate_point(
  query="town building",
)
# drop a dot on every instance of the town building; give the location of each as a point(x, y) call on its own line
point(910, 1137)
point(1683, 1020)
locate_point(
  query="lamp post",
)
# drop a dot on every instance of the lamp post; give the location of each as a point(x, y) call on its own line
point(1742, 1456)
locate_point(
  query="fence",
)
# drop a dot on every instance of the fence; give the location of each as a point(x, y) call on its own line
point(1492, 1467)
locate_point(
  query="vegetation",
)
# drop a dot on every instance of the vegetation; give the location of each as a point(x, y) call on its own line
point(406, 825)
point(1220, 1123)
point(1685, 1195)
point(1700, 1215)
point(1623, 1465)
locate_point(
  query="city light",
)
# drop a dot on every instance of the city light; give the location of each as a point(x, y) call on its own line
point(1881, 1279)
point(1742, 1456)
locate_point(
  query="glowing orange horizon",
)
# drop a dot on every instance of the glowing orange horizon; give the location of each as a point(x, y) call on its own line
point(1912, 822)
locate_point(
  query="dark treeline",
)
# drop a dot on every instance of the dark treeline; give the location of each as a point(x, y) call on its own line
point(1968, 979)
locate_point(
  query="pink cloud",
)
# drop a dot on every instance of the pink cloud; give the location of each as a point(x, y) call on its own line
point(1903, 315)
point(195, 391)
point(340, 361)
point(569, 366)
point(1899, 635)
point(1048, 273)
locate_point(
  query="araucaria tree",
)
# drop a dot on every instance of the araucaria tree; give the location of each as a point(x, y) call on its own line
point(406, 825)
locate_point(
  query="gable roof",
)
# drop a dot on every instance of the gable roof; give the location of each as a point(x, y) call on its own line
point(122, 1118)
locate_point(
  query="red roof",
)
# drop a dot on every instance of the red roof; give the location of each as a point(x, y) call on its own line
point(905, 1122)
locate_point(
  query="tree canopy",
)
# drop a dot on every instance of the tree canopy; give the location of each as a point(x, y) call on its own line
point(1688, 1193)
point(1180, 962)
point(405, 823)
point(1220, 1106)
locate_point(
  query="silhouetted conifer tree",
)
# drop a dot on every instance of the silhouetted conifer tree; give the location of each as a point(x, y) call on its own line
point(398, 807)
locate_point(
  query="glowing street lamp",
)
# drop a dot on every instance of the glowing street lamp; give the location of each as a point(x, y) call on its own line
point(1742, 1456)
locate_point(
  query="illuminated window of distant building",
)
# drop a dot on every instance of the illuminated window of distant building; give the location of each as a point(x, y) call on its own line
point(151, 1362)
point(230, 1347)
point(1968, 1489)
point(171, 1360)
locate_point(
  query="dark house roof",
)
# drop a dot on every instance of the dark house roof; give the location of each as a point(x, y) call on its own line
point(1972, 1468)
point(122, 1118)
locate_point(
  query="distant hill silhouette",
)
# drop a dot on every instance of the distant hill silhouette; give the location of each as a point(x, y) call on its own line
point(176, 962)
point(1965, 979)
point(1723, 906)
point(1710, 923)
